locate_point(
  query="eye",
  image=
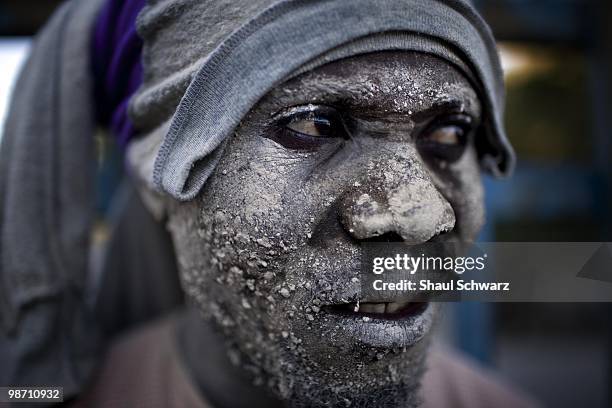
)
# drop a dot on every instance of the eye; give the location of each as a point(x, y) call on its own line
point(308, 127)
point(446, 138)
point(316, 125)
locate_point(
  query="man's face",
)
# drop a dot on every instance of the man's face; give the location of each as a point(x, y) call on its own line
point(375, 147)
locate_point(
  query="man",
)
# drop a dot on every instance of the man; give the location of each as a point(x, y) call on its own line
point(303, 130)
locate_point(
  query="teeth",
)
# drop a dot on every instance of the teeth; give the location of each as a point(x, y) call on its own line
point(377, 308)
point(372, 308)
point(395, 306)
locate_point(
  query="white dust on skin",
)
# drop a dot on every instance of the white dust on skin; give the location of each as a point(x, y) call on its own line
point(416, 211)
point(268, 243)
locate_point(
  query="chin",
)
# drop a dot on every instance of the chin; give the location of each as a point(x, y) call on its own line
point(362, 378)
point(327, 362)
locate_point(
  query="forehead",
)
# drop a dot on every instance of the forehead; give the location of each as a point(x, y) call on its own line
point(387, 82)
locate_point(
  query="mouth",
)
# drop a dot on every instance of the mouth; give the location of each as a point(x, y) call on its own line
point(381, 324)
point(380, 310)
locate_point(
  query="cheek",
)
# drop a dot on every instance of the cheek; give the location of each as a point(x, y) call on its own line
point(466, 194)
point(223, 267)
point(251, 216)
point(267, 191)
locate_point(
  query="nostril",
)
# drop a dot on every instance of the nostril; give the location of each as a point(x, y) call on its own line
point(440, 237)
point(386, 237)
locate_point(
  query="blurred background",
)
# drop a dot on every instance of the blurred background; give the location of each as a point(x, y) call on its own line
point(557, 58)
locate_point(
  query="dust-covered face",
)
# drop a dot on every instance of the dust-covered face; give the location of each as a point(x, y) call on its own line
point(375, 147)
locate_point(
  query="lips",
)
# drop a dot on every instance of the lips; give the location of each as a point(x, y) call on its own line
point(379, 324)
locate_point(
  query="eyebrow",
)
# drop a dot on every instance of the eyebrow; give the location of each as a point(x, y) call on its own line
point(352, 96)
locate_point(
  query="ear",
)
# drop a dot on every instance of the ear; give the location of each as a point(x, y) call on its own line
point(140, 156)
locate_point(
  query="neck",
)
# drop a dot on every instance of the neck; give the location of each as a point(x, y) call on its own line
point(204, 354)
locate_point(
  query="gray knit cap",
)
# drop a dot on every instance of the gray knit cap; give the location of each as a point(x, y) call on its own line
point(239, 68)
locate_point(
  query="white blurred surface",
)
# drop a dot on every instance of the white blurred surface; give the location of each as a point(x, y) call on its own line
point(13, 52)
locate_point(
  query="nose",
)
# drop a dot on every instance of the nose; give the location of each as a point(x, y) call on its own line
point(396, 198)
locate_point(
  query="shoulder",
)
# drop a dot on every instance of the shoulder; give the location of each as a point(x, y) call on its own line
point(452, 380)
point(142, 369)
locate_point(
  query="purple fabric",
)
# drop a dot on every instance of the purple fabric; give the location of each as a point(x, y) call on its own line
point(117, 65)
